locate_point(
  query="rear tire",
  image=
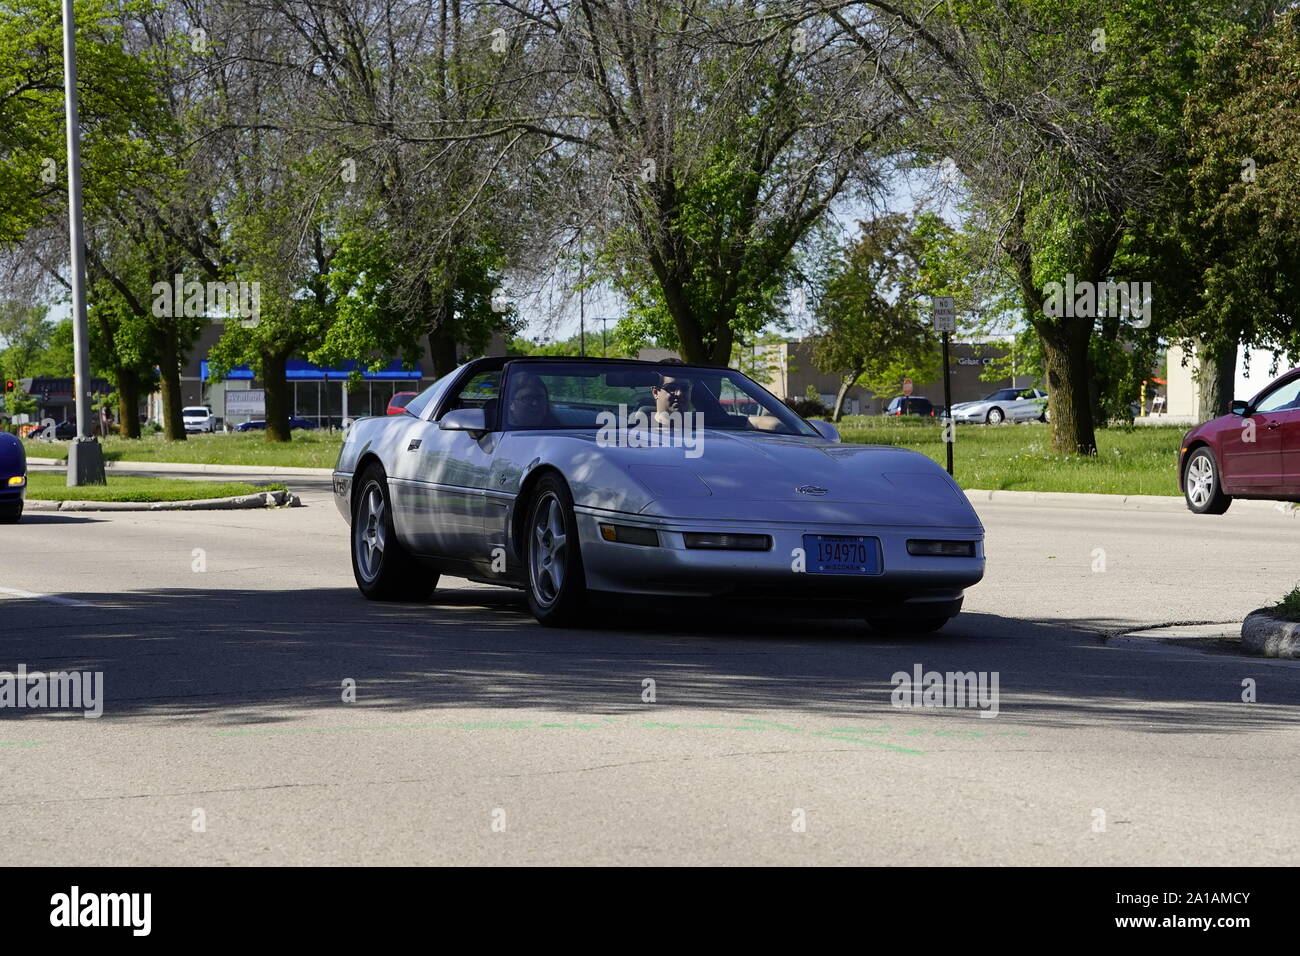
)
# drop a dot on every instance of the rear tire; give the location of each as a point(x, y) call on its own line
point(383, 568)
point(1201, 487)
point(556, 584)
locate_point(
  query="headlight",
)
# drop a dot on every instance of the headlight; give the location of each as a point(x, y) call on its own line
point(946, 549)
point(727, 542)
point(17, 480)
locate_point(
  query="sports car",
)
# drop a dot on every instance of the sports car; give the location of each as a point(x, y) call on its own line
point(1005, 404)
point(13, 477)
point(579, 480)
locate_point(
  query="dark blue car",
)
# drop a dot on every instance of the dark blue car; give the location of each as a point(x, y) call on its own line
point(13, 477)
point(259, 424)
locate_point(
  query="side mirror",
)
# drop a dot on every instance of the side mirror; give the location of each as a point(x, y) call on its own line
point(825, 429)
point(1240, 408)
point(464, 420)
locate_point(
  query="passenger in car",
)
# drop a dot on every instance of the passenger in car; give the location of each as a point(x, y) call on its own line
point(530, 403)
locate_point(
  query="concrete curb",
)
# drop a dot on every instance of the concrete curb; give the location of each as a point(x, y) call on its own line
point(264, 499)
point(191, 467)
point(1064, 499)
point(1268, 636)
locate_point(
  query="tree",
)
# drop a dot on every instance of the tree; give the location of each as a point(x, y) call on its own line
point(1060, 119)
point(25, 334)
point(872, 328)
point(1239, 226)
point(712, 137)
point(405, 105)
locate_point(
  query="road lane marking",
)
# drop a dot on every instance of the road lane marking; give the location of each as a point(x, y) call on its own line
point(14, 592)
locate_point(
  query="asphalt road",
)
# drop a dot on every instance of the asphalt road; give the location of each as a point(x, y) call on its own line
point(226, 640)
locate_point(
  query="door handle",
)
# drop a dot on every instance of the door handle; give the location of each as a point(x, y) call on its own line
point(1272, 425)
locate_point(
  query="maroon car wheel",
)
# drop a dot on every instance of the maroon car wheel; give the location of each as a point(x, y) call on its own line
point(1201, 484)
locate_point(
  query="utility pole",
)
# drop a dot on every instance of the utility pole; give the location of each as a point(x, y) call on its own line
point(944, 317)
point(582, 301)
point(85, 457)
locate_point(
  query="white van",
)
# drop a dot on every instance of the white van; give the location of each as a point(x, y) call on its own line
point(198, 418)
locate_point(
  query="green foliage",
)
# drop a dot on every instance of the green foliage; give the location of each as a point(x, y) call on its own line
point(1241, 226)
point(117, 102)
point(873, 327)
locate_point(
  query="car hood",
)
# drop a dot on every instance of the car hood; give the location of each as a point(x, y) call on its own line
point(735, 472)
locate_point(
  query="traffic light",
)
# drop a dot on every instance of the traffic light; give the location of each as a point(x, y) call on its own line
point(9, 386)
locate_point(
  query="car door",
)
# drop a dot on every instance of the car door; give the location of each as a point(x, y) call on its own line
point(1289, 482)
point(1252, 451)
point(446, 474)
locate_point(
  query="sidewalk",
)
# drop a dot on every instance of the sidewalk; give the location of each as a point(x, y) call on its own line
point(192, 467)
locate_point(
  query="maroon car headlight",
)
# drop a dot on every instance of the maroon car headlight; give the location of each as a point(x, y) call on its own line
point(944, 549)
point(711, 541)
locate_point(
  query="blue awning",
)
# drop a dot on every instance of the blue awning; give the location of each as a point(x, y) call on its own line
point(298, 370)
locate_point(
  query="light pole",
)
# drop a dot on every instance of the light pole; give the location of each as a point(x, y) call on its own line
point(604, 335)
point(85, 457)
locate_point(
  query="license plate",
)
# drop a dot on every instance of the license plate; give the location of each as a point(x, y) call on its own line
point(842, 554)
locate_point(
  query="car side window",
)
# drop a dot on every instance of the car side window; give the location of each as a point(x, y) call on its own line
point(1285, 397)
point(418, 405)
point(478, 392)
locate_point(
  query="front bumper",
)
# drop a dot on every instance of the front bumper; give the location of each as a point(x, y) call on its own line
point(673, 569)
point(11, 495)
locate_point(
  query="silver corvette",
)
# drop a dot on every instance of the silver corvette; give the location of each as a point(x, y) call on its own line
point(1005, 405)
point(579, 480)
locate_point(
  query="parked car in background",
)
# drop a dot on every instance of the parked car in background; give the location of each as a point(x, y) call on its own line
point(198, 418)
point(13, 477)
point(911, 405)
point(259, 424)
point(397, 404)
point(1004, 405)
point(1252, 452)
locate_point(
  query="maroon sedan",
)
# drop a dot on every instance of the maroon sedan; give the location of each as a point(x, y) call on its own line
point(1253, 452)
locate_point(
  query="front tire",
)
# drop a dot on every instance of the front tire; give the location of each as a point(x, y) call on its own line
point(995, 416)
point(557, 586)
point(11, 514)
point(383, 568)
point(1201, 485)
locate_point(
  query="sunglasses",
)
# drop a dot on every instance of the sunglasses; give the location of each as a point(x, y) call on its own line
point(532, 398)
point(675, 388)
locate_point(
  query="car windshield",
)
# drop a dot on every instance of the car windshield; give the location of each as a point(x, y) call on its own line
point(195, 412)
point(1002, 395)
point(582, 396)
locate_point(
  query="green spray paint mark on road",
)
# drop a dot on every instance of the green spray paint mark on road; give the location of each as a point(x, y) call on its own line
point(855, 735)
point(833, 735)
